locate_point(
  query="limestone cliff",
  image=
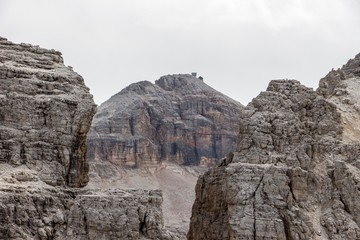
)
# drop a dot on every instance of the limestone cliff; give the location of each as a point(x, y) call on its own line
point(45, 114)
point(178, 119)
point(295, 173)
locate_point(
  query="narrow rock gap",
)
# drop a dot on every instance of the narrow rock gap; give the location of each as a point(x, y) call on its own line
point(289, 184)
point(346, 207)
point(333, 180)
point(142, 224)
point(131, 124)
point(287, 229)
point(197, 158)
point(86, 224)
point(254, 205)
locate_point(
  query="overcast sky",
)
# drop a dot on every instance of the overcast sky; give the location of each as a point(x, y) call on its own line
point(238, 46)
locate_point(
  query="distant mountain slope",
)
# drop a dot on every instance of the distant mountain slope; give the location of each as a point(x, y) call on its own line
point(178, 119)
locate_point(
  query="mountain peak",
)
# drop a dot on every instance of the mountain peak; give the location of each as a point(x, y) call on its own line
point(177, 81)
point(142, 87)
point(352, 67)
point(154, 118)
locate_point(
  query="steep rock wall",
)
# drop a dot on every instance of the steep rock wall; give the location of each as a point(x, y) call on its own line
point(294, 174)
point(45, 114)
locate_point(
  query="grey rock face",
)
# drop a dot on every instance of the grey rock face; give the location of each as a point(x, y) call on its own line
point(352, 67)
point(50, 213)
point(45, 114)
point(178, 119)
point(334, 83)
point(294, 173)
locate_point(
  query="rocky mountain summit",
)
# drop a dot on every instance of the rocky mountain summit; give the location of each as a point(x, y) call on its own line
point(162, 136)
point(45, 114)
point(178, 119)
point(295, 173)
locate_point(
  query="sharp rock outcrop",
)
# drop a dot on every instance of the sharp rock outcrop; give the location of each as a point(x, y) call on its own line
point(178, 119)
point(295, 173)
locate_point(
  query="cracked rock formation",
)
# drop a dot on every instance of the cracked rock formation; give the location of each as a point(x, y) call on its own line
point(178, 119)
point(45, 114)
point(295, 173)
point(51, 213)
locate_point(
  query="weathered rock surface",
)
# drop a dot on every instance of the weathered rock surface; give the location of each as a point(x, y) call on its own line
point(45, 114)
point(52, 213)
point(178, 119)
point(295, 173)
point(341, 87)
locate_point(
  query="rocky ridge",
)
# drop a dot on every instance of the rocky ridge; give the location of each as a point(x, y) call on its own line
point(295, 172)
point(45, 114)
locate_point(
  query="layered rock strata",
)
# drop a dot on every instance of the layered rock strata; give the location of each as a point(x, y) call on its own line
point(295, 173)
point(45, 114)
point(178, 119)
point(52, 213)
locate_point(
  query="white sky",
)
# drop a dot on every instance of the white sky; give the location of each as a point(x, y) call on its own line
point(238, 46)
